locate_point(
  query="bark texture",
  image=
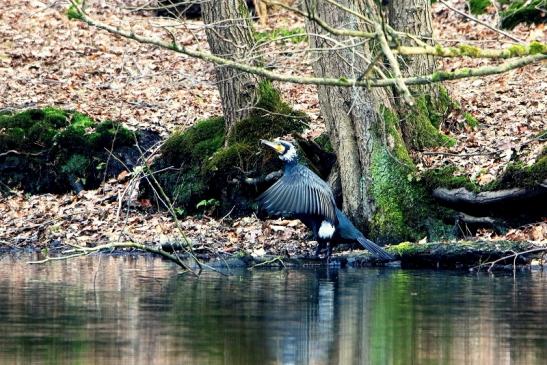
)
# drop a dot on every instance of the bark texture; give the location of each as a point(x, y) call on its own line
point(351, 114)
point(229, 34)
point(414, 17)
point(364, 129)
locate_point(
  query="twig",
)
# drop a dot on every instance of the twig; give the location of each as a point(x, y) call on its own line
point(82, 251)
point(15, 152)
point(481, 22)
point(428, 153)
point(398, 76)
point(513, 255)
point(268, 262)
point(342, 82)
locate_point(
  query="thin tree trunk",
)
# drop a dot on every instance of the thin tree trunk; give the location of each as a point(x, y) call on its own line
point(229, 34)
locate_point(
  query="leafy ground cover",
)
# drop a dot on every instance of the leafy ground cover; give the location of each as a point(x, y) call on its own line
point(48, 60)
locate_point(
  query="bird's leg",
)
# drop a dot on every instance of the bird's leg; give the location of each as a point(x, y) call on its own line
point(320, 247)
point(329, 250)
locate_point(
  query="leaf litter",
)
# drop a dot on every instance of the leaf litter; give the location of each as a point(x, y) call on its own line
point(46, 59)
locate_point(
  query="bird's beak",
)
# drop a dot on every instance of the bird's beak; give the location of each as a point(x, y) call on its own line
point(278, 147)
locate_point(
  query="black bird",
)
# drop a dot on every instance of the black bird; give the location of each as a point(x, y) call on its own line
point(301, 194)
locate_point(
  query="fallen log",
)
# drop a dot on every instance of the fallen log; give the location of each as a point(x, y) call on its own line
point(516, 206)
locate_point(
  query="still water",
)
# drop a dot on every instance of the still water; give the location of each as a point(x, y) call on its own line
point(137, 310)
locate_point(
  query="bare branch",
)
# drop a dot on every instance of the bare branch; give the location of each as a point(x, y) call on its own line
point(481, 22)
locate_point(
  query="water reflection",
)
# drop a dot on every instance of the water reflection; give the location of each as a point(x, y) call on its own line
point(138, 310)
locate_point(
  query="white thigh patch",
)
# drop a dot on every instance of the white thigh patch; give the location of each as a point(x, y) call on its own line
point(326, 230)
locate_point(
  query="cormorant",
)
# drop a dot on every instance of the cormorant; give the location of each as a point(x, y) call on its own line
point(301, 194)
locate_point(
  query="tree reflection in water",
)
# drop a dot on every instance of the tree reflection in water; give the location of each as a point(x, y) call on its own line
point(138, 310)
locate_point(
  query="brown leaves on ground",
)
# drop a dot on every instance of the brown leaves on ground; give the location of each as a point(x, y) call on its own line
point(46, 59)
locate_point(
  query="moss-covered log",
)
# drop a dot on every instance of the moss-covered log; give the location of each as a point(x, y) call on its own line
point(210, 168)
point(523, 11)
point(435, 255)
point(54, 150)
point(518, 196)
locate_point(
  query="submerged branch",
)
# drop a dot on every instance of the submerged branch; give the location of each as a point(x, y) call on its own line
point(77, 251)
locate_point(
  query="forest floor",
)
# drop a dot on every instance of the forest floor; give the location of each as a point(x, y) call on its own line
point(46, 59)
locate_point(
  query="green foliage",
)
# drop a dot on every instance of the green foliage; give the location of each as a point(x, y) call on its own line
point(478, 7)
point(470, 120)
point(324, 142)
point(53, 143)
point(296, 35)
point(72, 12)
point(521, 11)
point(208, 203)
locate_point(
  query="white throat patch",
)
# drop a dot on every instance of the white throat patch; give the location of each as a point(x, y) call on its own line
point(289, 154)
point(326, 231)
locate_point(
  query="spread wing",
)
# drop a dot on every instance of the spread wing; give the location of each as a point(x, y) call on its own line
point(300, 192)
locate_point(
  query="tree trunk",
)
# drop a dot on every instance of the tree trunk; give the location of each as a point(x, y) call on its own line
point(414, 17)
point(229, 34)
point(376, 170)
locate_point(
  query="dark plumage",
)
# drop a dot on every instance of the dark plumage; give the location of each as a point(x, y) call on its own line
point(301, 194)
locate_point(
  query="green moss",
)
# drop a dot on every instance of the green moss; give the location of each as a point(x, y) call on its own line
point(324, 142)
point(422, 121)
point(439, 49)
point(210, 165)
point(196, 143)
point(517, 50)
point(229, 161)
point(404, 209)
point(108, 132)
point(471, 51)
point(520, 11)
point(470, 120)
point(54, 143)
point(271, 118)
point(404, 248)
point(446, 177)
point(537, 47)
point(295, 35)
point(76, 165)
point(519, 175)
point(516, 175)
point(478, 7)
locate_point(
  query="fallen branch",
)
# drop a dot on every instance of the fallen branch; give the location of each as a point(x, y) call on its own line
point(513, 256)
point(78, 251)
point(501, 203)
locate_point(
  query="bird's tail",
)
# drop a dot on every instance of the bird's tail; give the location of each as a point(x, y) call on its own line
point(374, 248)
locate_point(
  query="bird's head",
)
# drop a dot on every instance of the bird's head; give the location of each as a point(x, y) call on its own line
point(285, 150)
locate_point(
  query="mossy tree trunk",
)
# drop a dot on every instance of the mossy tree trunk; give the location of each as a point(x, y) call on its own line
point(229, 34)
point(414, 17)
point(376, 170)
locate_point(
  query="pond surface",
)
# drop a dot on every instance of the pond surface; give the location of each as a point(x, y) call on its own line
point(137, 310)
